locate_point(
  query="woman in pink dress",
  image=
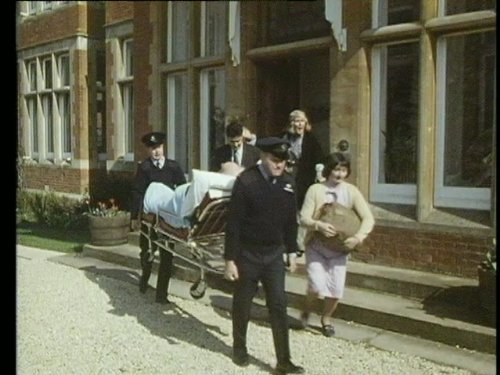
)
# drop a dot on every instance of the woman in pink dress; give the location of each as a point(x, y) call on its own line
point(326, 265)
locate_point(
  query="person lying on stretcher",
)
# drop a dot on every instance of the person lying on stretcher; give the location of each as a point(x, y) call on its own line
point(176, 207)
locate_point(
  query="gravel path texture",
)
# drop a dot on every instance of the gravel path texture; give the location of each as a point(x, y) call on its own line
point(72, 321)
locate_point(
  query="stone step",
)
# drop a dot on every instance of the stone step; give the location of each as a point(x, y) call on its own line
point(402, 282)
point(435, 317)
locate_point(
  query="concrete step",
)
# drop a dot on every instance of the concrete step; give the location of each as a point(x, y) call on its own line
point(401, 282)
point(440, 317)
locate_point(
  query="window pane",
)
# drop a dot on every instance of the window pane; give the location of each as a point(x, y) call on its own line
point(32, 111)
point(391, 12)
point(216, 109)
point(32, 75)
point(49, 124)
point(215, 28)
point(101, 123)
point(65, 121)
point(32, 7)
point(398, 138)
point(64, 70)
point(180, 30)
point(178, 119)
point(127, 58)
point(464, 6)
point(47, 73)
point(128, 111)
point(469, 113)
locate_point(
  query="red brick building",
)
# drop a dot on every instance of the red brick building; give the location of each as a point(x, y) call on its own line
point(409, 85)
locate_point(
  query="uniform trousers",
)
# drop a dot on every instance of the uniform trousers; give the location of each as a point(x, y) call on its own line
point(164, 269)
point(264, 264)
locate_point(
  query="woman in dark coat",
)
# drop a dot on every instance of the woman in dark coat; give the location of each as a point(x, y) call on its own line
point(305, 152)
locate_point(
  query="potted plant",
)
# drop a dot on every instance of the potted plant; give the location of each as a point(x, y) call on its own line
point(487, 273)
point(108, 225)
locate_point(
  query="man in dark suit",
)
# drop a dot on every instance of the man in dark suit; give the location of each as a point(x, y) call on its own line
point(261, 226)
point(237, 150)
point(155, 168)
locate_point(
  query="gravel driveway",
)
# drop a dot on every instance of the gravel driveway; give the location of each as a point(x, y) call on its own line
point(71, 321)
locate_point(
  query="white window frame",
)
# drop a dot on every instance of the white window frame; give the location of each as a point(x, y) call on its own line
point(40, 99)
point(383, 192)
point(32, 7)
point(451, 196)
point(126, 88)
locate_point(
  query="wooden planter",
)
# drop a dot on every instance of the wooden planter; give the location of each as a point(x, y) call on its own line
point(109, 231)
point(487, 288)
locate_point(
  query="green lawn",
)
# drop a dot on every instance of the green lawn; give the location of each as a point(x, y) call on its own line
point(66, 241)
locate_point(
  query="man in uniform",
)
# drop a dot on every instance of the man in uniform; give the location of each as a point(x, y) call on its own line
point(237, 150)
point(261, 226)
point(156, 168)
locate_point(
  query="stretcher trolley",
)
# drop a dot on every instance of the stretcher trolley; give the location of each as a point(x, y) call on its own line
point(201, 245)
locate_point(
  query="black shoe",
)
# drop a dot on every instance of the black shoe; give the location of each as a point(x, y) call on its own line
point(327, 330)
point(304, 320)
point(162, 301)
point(241, 359)
point(143, 285)
point(289, 368)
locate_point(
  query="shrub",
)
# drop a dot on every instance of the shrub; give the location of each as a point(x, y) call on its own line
point(53, 210)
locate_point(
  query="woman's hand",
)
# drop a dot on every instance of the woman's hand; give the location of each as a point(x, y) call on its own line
point(328, 230)
point(231, 271)
point(291, 262)
point(351, 242)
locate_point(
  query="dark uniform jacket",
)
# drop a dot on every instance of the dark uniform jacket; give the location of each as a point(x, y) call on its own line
point(261, 213)
point(250, 156)
point(170, 174)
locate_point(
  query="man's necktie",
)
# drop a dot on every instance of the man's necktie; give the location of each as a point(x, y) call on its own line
point(272, 179)
point(235, 156)
point(157, 163)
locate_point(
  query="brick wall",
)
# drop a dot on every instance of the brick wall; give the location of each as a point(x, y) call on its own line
point(117, 11)
point(440, 252)
point(57, 178)
point(60, 23)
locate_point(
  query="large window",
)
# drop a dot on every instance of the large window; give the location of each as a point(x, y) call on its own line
point(194, 103)
point(466, 89)
point(48, 108)
point(433, 127)
point(395, 122)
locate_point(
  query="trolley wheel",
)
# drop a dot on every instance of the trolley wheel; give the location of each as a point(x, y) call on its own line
point(198, 289)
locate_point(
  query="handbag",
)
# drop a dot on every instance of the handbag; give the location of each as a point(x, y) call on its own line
point(346, 222)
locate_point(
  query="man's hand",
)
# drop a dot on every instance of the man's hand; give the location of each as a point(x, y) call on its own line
point(135, 225)
point(231, 271)
point(351, 242)
point(291, 262)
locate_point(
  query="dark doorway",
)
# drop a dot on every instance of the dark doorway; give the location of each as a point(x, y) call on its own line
point(278, 94)
point(294, 82)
